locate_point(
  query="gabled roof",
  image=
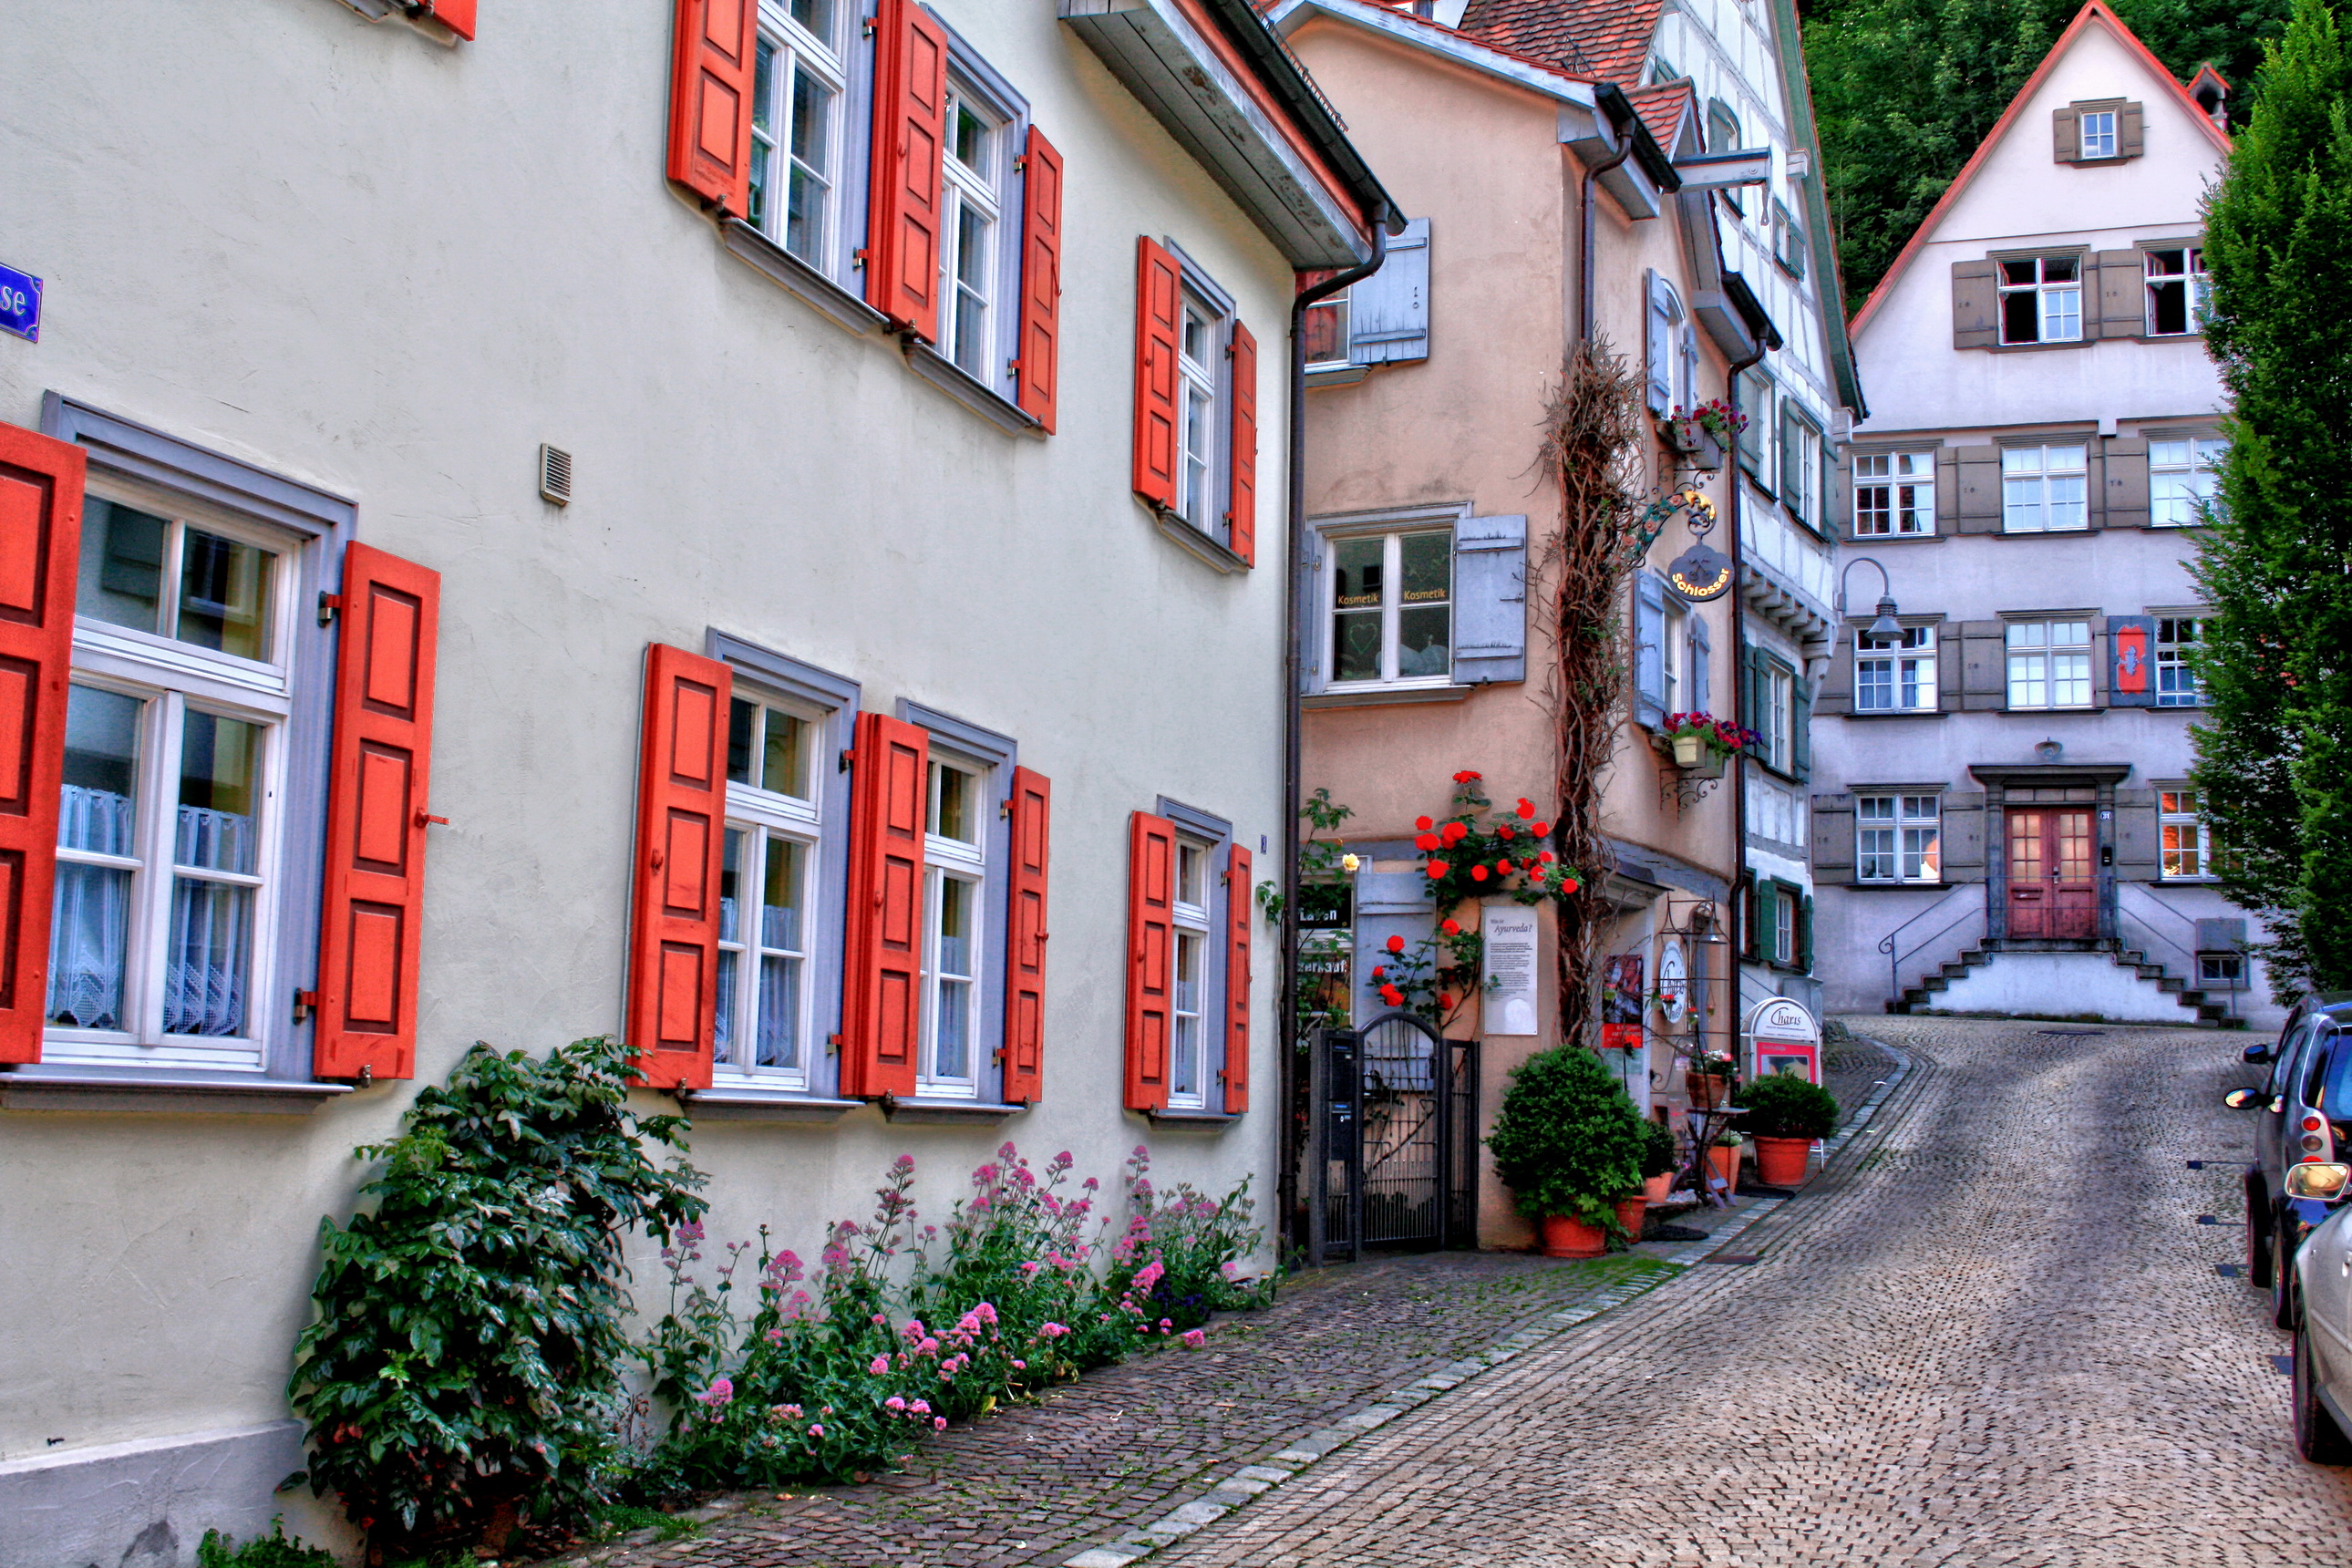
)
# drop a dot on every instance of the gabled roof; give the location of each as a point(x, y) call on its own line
point(2096, 14)
point(1664, 108)
point(1604, 42)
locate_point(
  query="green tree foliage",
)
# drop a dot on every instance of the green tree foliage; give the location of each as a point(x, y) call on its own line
point(2275, 758)
point(1903, 91)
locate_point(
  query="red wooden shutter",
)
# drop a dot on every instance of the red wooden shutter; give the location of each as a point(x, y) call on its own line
point(1238, 982)
point(457, 15)
point(1024, 962)
point(681, 834)
point(1150, 958)
point(40, 541)
point(1243, 485)
point(379, 774)
point(710, 101)
point(1158, 305)
point(902, 227)
point(1041, 278)
point(881, 1002)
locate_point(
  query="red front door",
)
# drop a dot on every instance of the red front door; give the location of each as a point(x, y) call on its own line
point(2052, 889)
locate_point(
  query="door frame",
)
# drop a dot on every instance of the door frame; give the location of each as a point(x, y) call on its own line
point(2021, 786)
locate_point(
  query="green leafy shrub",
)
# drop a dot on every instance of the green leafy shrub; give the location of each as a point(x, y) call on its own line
point(1566, 1140)
point(1781, 1105)
point(1657, 1149)
point(275, 1550)
point(464, 1372)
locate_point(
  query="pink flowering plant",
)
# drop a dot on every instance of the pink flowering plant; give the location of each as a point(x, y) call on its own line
point(1722, 736)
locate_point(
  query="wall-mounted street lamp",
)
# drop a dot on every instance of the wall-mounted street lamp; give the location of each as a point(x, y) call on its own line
point(1885, 626)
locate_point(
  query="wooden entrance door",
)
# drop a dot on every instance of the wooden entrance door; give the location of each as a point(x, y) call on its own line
point(2052, 891)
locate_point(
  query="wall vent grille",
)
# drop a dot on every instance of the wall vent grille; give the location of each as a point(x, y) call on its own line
point(555, 474)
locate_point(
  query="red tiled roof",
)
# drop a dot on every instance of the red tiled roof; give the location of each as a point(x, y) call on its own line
point(1661, 107)
point(1604, 41)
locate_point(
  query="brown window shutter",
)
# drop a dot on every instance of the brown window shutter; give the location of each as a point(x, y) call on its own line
point(1979, 487)
point(1984, 666)
point(2130, 136)
point(1951, 652)
point(1976, 305)
point(1833, 836)
point(2122, 294)
point(2066, 135)
point(1964, 836)
point(1948, 489)
point(2125, 495)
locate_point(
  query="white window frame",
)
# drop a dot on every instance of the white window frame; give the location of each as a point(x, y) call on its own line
point(2181, 479)
point(758, 814)
point(2175, 677)
point(945, 860)
point(168, 677)
point(1907, 662)
point(1895, 495)
point(983, 192)
point(1336, 307)
point(1779, 717)
point(2058, 302)
point(2101, 129)
point(1898, 838)
point(1200, 443)
point(1784, 927)
point(1392, 607)
point(791, 50)
point(1673, 654)
point(2043, 668)
point(2045, 488)
point(2195, 283)
point(1188, 1026)
point(2182, 837)
point(1805, 474)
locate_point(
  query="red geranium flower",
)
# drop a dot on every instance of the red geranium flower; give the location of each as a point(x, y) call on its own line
point(1503, 867)
point(1569, 884)
point(1396, 944)
point(1378, 972)
point(1504, 831)
point(1451, 928)
point(1455, 833)
point(1392, 995)
point(1428, 841)
point(1478, 873)
point(1527, 808)
point(1547, 856)
point(1540, 828)
point(1466, 776)
point(1424, 823)
point(1436, 869)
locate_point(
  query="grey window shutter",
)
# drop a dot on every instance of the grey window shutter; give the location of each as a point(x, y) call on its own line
point(1752, 689)
point(2131, 661)
point(1700, 682)
point(2136, 836)
point(1793, 459)
point(2094, 485)
point(1756, 402)
point(2066, 135)
point(1833, 836)
point(1658, 345)
point(2130, 135)
point(1837, 512)
point(2123, 294)
point(1796, 243)
point(1976, 305)
point(2125, 495)
point(1388, 313)
point(1800, 731)
point(1948, 488)
point(1963, 841)
point(1979, 487)
point(1314, 623)
point(1490, 600)
point(1649, 639)
point(1984, 666)
point(1805, 932)
point(1836, 695)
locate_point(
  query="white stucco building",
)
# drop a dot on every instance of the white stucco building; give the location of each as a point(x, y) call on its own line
point(535, 477)
point(2001, 816)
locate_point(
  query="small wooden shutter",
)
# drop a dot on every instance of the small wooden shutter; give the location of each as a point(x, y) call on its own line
point(1792, 460)
point(1976, 305)
point(681, 834)
point(1037, 370)
point(1158, 303)
point(1150, 958)
point(1658, 346)
point(2131, 132)
point(1237, 981)
point(2138, 837)
point(902, 220)
point(2121, 290)
point(1388, 313)
point(1649, 650)
point(881, 1002)
point(379, 774)
point(1963, 840)
point(1490, 600)
point(1979, 486)
point(457, 15)
point(1702, 655)
point(1804, 931)
point(1242, 455)
point(1801, 729)
point(1833, 836)
point(2124, 498)
point(1984, 666)
point(2131, 661)
point(1948, 488)
point(710, 101)
point(2066, 135)
point(1025, 932)
point(40, 542)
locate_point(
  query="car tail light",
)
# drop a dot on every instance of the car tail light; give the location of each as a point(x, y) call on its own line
point(2314, 1143)
point(2311, 1124)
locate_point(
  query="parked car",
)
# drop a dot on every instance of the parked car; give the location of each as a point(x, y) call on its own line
point(2323, 1327)
point(2303, 1115)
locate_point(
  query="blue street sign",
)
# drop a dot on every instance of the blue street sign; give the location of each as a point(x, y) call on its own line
point(20, 304)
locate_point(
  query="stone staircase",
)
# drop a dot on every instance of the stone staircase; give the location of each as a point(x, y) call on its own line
point(1936, 992)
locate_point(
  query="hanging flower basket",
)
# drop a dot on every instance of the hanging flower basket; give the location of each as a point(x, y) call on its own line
point(1700, 744)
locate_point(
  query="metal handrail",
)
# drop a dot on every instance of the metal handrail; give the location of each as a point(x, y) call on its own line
point(2191, 976)
point(1888, 945)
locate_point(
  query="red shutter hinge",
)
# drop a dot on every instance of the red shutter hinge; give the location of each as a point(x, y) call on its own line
point(833, 1045)
point(328, 604)
point(857, 258)
point(305, 1004)
point(848, 755)
point(1004, 810)
point(421, 819)
point(866, 29)
point(1021, 165)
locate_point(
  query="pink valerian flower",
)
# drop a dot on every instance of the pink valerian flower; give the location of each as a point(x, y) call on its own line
point(1196, 1338)
point(896, 1401)
point(878, 1366)
point(816, 1428)
point(1052, 1331)
point(920, 1407)
point(938, 1423)
point(721, 1390)
point(1020, 1365)
point(789, 1412)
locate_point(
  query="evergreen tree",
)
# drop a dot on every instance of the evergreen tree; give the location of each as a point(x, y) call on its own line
point(2275, 760)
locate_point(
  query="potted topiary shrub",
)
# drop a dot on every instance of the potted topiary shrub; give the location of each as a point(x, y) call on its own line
point(1784, 1114)
point(1657, 1161)
point(1568, 1143)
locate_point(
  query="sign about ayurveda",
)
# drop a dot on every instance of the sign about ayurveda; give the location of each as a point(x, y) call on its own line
point(1509, 932)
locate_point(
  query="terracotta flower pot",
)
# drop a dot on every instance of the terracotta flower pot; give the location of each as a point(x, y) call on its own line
point(1725, 1158)
point(1657, 1189)
point(1781, 1162)
point(1565, 1235)
point(1706, 1091)
point(1629, 1214)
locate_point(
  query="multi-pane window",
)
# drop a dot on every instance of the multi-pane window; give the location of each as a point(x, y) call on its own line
point(2041, 300)
point(1898, 838)
point(1895, 674)
point(2177, 290)
point(2181, 482)
point(1779, 717)
point(969, 225)
point(955, 867)
point(1324, 326)
point(1198, 346)
point(1674, 657)
point(765, 889)
point(2176, 673)
point(1188, 1066)
point(1391, 613)
point(2049, 664)
point(2043, 489)
point(1894, 493)
point(2185, 851)
point(796, 97)
point(1784, 927)
point(1801, 462)
point(167, 872)
point(2098, 133)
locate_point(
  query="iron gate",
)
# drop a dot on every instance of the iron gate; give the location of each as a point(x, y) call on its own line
point(1396, 1156)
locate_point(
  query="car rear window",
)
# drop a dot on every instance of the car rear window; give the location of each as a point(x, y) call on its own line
point(2328, 1087)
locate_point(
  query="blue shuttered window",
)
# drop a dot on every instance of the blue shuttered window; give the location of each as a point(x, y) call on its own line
point(1388, 313)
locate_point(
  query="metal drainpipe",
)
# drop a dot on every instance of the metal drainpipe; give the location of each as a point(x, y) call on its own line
point(1294, 564)
point(1584, 239)
point(1738, 711)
